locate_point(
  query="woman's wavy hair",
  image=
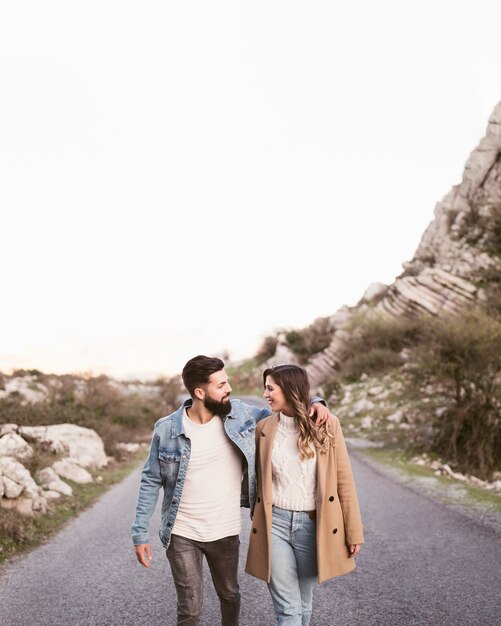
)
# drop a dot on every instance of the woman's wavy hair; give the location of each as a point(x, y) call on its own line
point(294, 383)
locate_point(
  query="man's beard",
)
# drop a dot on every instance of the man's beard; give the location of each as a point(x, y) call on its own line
point(217, 408)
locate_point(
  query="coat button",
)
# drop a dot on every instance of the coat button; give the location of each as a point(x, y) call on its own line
point(259, 499)
point(254, 530)
point(331, 499)
point(334, 531)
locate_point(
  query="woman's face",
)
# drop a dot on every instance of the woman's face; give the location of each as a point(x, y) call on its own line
point(275, 396)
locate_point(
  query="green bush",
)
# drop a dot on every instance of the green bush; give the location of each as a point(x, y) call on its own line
point(95, 403)
point(482, 224)
point(463, 354)
point(372, 343)
point(372, 361)
point(267, 349)
point(312, 339)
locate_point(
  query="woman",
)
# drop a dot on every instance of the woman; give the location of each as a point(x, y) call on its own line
point(306, 520)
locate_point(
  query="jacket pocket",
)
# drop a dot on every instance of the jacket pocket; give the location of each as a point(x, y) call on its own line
point(169, 463)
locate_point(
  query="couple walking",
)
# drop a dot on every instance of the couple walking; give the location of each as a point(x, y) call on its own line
point(289, 464)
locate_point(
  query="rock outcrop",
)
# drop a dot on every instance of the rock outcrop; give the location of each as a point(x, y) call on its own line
point(81, 448)
point(450, 262)
point(83, 445)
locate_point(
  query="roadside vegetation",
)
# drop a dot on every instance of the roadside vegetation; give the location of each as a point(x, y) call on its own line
point(119, 412)
point(449, 391)
point(311, 340)
point(419, 385)
point(20, 533)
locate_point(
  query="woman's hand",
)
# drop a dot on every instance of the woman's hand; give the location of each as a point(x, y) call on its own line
point(354, 549)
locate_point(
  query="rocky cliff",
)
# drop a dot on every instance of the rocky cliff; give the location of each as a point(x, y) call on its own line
point(454, 257)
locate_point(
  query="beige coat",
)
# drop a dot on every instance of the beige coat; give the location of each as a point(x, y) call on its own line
point(337, 512)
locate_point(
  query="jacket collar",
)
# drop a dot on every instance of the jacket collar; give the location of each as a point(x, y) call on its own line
point(177, 418)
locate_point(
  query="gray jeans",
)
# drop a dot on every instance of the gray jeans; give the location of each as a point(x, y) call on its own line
point(186, 562)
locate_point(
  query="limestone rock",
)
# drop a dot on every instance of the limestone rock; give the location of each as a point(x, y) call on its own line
point(361, 406)
point(449, 263)
point(67, 469)
point(15, 475)
point(130, 448)
point(396, 417)
point(8, 428)
point(27, 387)
point(26, 506)
point(51, 495)
point(11, 488)
point(81, 444)
point(373, 291)
point(21, 505)
point(366, 422)
point(15, 446)
point(283, 354)
point(19, 490)
point(48, 478)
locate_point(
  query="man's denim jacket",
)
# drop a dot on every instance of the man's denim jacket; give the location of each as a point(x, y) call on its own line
point(167, 464)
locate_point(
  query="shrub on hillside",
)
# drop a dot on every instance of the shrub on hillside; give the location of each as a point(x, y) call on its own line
point(481, 225)
point(267, 349)
point(310, 340)
point(491, 288)
point(373, 343)
point(95, 403)
point(370, 362)
point(463, 354)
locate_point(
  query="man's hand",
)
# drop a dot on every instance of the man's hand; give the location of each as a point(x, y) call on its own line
point(322, 413)
point(143, 554)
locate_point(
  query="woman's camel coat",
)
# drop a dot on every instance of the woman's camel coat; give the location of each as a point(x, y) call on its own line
point(337, 512)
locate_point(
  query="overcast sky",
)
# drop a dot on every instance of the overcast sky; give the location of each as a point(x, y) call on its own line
point(187, 177)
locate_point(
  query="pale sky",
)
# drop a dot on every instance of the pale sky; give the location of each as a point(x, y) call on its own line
point(188, 177)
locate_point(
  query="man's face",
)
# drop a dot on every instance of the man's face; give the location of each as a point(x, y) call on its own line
point(217, 394)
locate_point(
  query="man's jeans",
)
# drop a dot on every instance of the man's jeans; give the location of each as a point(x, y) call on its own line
point(186, 562)
point(293, 565)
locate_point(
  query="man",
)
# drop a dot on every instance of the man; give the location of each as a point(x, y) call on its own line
point(203, 456)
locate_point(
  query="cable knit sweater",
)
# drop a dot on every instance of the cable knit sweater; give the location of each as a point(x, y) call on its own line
point(294, 481)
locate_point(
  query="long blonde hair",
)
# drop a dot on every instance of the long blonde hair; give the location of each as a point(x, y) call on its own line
point(294, 383)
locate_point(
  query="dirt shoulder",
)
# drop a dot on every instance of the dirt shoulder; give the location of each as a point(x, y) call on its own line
point(477, 503)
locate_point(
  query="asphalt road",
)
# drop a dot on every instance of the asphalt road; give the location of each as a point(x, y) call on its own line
point(421, 564)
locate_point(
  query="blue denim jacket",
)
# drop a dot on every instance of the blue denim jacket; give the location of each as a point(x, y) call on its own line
point(167, 464)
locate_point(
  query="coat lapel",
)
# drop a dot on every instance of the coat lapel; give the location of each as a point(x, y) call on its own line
point(322, 461)
point(267, 438)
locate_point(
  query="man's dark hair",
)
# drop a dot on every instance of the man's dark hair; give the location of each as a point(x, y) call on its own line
point(197, 371)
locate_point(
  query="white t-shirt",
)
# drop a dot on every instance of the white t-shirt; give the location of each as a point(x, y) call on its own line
point(209, 508)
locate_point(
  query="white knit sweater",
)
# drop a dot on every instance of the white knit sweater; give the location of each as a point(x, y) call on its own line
point(293, 480)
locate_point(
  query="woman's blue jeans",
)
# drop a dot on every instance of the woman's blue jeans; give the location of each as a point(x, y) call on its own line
point(293, 566)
